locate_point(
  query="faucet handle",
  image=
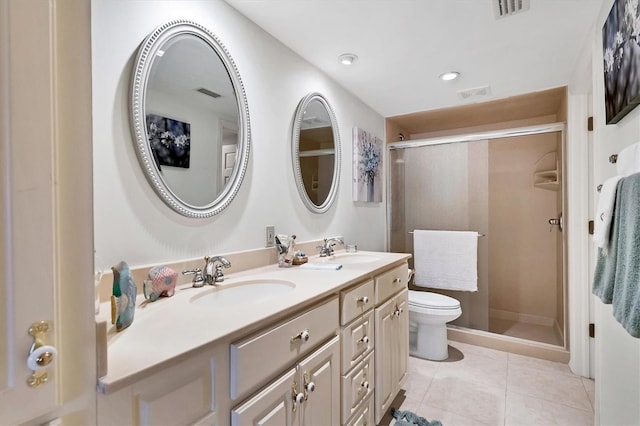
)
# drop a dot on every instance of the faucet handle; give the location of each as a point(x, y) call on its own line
point(198, 280)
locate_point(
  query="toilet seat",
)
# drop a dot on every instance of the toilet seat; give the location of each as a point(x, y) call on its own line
point(428, 300)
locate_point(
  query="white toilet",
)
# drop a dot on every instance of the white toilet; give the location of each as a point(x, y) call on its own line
point(429, 314)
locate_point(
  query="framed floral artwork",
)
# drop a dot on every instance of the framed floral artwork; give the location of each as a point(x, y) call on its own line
point(367, 167)
point(621, 52)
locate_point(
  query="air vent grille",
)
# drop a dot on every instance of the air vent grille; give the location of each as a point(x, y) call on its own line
point(476, 92)
point(504, 8)
point(209, 93)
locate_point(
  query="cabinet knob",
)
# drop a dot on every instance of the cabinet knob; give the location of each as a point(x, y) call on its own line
point(364, 386)
point(311, 386)
point(303, 336)
point(397, 280)
point(364, 300)
point(365, 339)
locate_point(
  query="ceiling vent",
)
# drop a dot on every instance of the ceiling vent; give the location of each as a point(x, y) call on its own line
point(504, 8)
point(477, 92)
point(208, 92)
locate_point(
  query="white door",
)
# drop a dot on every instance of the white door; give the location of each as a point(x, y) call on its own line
point(46, 219)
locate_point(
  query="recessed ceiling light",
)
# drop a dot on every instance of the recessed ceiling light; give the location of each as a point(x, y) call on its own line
point(448, 76)
point(347, 58)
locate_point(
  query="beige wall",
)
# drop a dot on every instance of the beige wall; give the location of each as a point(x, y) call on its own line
point(523, 253)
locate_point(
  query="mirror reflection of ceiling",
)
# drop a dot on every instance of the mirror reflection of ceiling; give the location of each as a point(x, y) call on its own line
point(315, 115)
point(188, 64)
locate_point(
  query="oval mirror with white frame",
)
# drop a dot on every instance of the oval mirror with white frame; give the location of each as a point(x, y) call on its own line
point(190, 119)
point(316, 152)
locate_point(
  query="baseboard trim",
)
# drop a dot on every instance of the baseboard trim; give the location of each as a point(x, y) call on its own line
point(509, 344)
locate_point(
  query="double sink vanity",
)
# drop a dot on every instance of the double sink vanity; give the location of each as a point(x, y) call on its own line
point(269, 345)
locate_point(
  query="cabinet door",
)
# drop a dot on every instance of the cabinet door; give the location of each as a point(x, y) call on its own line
point(274, 405)
point(385, 325)
point(319, 375)
point(401, 355)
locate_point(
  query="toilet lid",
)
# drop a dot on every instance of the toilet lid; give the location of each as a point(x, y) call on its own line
point(427, 299)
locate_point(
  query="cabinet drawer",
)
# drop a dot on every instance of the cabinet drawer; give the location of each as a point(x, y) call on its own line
point(363, 415)
point(390, 282)
point(357, 340)
point(356, 301)
point(357, 386)
point(263, 355)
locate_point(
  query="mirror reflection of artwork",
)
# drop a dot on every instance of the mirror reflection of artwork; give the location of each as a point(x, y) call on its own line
point(170, 141)
point(367, 167)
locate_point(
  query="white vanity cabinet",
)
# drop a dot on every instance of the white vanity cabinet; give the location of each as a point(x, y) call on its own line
point(181, 394)
point(308, 391)
point(392, 337)
point(358, 342)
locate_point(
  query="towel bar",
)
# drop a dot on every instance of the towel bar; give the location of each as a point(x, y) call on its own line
point(479, 234)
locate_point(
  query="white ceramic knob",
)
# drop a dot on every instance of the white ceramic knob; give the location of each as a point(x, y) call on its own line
point(304, 336)
point(41, 357)
point(364, 299)
point(311, 387)
point(365, 339)
point(299, 398)
point(365, 385)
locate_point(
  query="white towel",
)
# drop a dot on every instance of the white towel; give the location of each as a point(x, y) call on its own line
point(446, 260)
point(628, 161)
point(604, 213)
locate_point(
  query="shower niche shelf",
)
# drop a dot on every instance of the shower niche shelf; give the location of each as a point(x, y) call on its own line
point(546, 175)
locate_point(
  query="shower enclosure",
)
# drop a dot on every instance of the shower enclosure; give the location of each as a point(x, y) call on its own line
point(508, 187)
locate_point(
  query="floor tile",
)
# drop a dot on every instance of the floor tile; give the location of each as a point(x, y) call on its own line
point(470, 350)
point(466, 398)
point(590, 387)
point(445, 417)
point(526, 410)
point(548, 385)
point(540, 364)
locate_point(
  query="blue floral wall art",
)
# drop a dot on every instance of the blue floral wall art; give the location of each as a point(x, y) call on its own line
point(170, 141)
point(367, 167)
point(621, 50)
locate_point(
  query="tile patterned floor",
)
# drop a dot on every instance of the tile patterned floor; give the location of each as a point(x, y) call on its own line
point(479, 386)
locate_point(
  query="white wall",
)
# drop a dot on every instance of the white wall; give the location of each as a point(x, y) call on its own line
point(133, 224)
point(617, 353)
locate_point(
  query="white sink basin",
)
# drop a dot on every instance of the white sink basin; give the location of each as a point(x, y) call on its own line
point(242, 293)
point(347, 258)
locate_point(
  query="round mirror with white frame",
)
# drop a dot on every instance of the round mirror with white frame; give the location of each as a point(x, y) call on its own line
point(316, 152)
point(190, 119)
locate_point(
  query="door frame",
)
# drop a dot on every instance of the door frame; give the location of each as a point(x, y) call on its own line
point(576, 213)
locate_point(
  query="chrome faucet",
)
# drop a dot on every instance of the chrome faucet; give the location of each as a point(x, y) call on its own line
point(212, 272)
point(327, 248)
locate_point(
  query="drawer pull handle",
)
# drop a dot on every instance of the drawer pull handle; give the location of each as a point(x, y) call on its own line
point(397, 280)
point(365, 340)
point(309, 385)
point(364, 300)
point(303, 336)
point(298, 397)
point(364, 386)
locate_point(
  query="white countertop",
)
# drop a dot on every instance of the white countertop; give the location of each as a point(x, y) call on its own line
point(166, 331)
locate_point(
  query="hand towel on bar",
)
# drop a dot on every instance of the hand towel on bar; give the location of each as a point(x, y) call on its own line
point(617, 276)
point(446, 260)
point(628, 161)
point(604, 213)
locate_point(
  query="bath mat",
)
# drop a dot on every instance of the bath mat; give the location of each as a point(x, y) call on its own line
point(408, 418)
